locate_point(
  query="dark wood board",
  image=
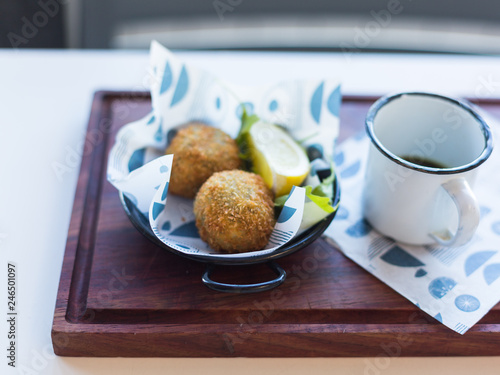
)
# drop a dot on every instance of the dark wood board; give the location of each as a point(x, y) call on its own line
point(120, 295)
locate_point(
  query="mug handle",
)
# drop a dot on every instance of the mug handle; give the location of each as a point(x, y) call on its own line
point(468, 214)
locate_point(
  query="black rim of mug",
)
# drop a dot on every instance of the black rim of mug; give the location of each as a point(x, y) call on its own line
point(369, 124)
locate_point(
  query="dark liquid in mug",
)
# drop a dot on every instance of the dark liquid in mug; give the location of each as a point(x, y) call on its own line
point(424, 162)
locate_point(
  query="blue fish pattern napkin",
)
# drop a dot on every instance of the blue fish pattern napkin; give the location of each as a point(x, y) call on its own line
point(457, 286)
point(180, 94)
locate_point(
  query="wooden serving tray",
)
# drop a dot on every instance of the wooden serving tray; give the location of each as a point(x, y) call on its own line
point(120, 295)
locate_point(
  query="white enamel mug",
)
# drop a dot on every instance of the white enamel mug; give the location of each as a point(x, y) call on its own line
point(424, 156)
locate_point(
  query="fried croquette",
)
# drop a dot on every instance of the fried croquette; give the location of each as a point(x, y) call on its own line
point(234, 212)
point(199, 151)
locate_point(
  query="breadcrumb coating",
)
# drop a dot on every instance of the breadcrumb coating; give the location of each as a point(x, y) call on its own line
point(199, 151)
point(234, 212)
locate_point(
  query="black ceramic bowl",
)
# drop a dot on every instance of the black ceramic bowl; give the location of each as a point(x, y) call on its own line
point(142, 224)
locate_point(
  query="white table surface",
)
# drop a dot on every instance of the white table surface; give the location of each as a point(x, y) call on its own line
point(45, 100)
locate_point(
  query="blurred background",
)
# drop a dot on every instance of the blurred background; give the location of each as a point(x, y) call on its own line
point(439, 26)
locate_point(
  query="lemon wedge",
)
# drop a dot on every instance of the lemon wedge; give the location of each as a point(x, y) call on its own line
point(280, 161)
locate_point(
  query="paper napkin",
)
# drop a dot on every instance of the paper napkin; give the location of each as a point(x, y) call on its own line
point(457, 286)
point(137, 166)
